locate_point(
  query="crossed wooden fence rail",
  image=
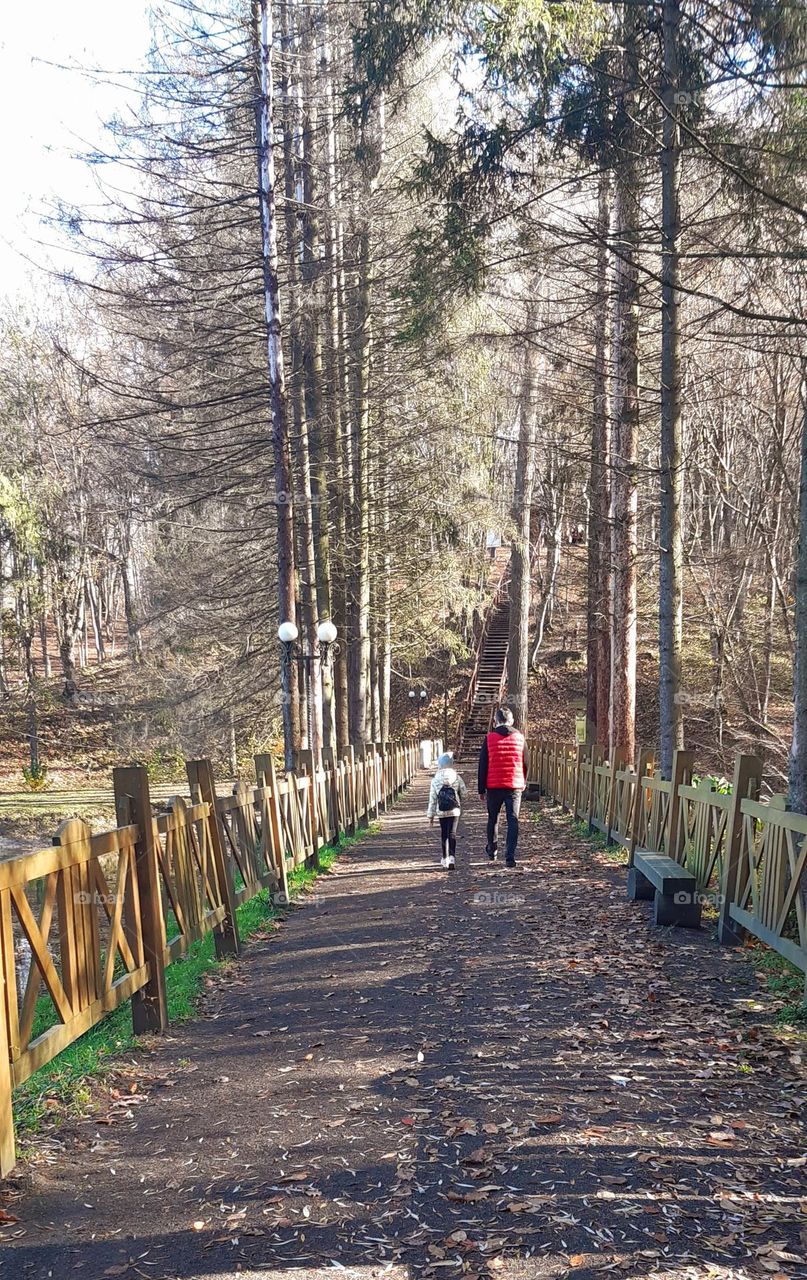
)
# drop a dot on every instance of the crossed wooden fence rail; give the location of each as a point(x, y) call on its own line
point(104, 914)
point(747, 856)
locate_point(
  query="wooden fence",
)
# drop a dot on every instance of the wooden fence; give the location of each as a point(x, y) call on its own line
point(102, 915)
point(748, 857)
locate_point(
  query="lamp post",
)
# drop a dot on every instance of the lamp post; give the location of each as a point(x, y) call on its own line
point(418, 700)
point(292, 651)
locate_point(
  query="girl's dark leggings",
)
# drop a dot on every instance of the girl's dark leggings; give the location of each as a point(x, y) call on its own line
point(448, 835)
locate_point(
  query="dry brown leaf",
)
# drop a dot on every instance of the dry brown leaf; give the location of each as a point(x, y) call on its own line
point(478, 1156)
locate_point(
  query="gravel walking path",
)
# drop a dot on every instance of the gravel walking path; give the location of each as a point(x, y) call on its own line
point(484, 1073)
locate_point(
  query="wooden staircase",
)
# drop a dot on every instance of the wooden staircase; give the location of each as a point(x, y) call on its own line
point(489, 676)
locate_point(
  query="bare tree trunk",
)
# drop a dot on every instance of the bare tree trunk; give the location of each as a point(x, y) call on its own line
point(626, 411)
point(767, 650)
point(94, 603)
point(68, 625)
point(553, 549)
point(67, 656)
point(371, 145)
point(671, 556)
point(518, 654)
point(25, 627)
point(598, 667)
point(298, 240)
point(232, 745)
point(43, 625)
point(335, 447)
point(797, 779)
point(127, 578)
point(312, 275)
point(359, 657)
point(262, 37)
point(385, 565)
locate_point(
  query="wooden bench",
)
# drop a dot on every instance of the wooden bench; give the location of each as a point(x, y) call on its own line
point(673, 888)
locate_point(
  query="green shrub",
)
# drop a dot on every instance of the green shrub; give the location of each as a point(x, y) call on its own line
point(35, 776)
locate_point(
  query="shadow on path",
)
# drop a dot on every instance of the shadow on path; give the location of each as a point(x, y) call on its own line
point(432, 1074)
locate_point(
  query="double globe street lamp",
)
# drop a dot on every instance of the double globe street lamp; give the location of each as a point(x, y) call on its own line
point(292, 651)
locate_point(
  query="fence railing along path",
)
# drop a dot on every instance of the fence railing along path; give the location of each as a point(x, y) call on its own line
point(102, 915)
point(747, 856)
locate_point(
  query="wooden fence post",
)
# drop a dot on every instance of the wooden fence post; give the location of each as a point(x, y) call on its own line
point(378, 773)
point(578, 762)
point(617, 761)
point(745, 786)
point(350, 788)
point(564, 791)
point(8, 1154)
point(372, 794)
point(200, 779)
point(378, 778)
point(361, 764)
point(309, 769)
point(596, 758)
point(133, 804)
point(683, 763)
point(262, 770)
point(329, 763)
point(643, 766)
point(277, 828)
point(365, 780)
point(381, 751)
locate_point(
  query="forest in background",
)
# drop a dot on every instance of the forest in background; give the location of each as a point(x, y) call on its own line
point(537, 268)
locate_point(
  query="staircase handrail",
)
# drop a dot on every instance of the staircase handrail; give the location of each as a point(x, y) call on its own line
point(470, 693)
point(502, 694)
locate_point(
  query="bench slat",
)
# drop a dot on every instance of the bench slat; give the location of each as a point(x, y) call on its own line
point(665, 874)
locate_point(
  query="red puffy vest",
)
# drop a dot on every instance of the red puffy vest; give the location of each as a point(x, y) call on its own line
point(506, 760)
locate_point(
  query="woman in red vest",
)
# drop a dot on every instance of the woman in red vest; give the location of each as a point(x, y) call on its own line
point(502, 780)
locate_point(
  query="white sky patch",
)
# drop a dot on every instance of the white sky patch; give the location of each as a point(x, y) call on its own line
point(52, 113)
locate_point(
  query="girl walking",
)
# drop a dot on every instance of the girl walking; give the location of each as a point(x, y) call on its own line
point(446, 798)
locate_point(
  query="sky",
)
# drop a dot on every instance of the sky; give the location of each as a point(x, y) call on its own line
point(51, 112)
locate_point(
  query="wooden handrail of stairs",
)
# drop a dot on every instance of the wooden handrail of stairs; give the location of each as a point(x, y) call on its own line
point(498, 598)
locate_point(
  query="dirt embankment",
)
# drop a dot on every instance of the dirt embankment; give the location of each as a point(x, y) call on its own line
point(716, 733)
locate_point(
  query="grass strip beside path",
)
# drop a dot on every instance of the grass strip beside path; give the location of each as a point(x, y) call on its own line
point(63, 1085)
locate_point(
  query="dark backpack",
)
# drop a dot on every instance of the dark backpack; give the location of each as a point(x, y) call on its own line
point(447, 799)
